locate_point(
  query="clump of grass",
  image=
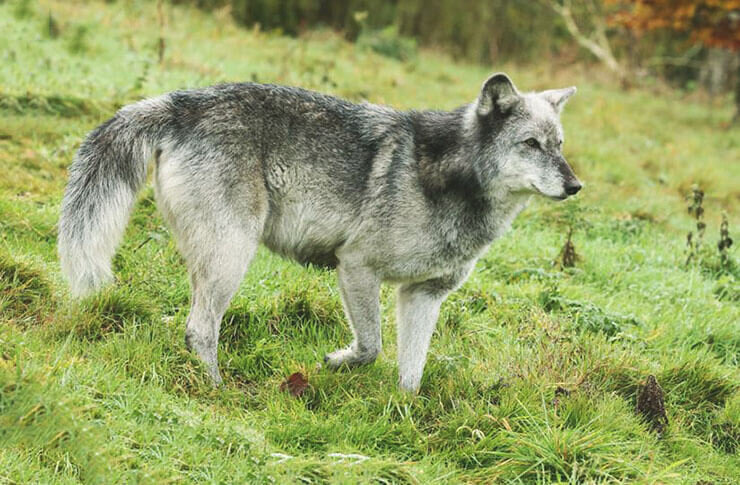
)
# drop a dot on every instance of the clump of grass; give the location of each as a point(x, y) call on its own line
point(253, 332)
point(78, 40)
point(256, 359)
point(725, 429)
point(696, 381)
point(38, 415)
point(58, 105)
point(585, 315)
point(464, 304)
point(386, 42)
point(722, 339)
point(23, 9)
point(620, 374)
point(299, 305)
point(109, 311)
point(545, 448)
point(25, 295)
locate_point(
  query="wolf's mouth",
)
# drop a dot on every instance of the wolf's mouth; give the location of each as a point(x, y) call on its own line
point(562, 196)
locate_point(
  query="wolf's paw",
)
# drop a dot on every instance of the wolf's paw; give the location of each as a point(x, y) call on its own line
point(216, 379)
point(207, 354)
point(350, 357)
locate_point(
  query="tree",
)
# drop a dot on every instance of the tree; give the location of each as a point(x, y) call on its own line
point(592, 37)
point(712, 23)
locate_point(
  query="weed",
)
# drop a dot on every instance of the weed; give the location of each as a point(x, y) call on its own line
point(719, 265)
point(53, 30)
point(724, 243)
point(727, 288)
point(567, 257)
point(694, 240)
point(651, 406)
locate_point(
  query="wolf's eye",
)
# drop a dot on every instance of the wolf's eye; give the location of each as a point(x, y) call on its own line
point(532, 143)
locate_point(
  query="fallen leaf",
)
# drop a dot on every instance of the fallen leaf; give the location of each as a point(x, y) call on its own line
point(296, 383)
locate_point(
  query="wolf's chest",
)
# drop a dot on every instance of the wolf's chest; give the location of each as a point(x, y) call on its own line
point(445, 243)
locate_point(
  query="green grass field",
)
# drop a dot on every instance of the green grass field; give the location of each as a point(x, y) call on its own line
point(534, 369)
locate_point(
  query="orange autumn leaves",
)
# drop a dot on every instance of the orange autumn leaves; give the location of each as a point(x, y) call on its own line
point(714, 23)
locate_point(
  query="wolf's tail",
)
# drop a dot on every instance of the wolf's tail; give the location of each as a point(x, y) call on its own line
point(109, 169)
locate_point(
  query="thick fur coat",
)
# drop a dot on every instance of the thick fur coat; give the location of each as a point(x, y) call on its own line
point(411, 198)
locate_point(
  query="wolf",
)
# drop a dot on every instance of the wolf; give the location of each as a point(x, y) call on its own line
point(409, 198)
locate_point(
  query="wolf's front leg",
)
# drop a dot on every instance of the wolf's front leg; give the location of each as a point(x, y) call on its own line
point(360, 290)
point(418, 309)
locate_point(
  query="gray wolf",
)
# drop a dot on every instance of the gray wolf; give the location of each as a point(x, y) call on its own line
point(408, 198)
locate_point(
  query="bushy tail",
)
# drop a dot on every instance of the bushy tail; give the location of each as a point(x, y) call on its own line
point(109, 169)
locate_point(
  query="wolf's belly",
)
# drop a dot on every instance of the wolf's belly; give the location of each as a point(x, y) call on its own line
point(304, 234)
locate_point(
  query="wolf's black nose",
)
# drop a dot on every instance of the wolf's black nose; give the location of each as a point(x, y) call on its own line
point(573, 189)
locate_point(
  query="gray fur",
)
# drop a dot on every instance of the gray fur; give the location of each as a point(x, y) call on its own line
point(411, 198)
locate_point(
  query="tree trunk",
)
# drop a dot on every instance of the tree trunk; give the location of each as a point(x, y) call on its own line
point(736, 119)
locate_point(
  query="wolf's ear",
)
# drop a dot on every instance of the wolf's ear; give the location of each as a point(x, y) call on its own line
point(558, 97)
point(498, 93)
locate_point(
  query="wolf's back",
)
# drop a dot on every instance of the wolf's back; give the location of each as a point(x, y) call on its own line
point(108, 170)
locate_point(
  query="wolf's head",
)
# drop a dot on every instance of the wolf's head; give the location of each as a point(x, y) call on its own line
point(519, 139)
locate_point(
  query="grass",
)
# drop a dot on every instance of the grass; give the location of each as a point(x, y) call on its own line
point(533, 371)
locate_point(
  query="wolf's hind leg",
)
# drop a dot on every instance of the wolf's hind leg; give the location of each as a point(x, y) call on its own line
point(215, 275)
point(360, 290)
point(217, 232)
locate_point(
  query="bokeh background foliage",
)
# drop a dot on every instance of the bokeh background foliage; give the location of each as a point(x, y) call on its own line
point(537, 363)
point(686, 42)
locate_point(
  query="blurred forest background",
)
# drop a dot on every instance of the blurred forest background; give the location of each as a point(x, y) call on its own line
point(689, 44)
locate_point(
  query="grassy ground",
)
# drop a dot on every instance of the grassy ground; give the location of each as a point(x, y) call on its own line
point(534, 369)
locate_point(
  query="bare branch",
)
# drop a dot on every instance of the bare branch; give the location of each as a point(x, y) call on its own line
point(597, 43)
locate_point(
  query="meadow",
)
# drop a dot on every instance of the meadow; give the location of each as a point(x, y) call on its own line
point(534, 370)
